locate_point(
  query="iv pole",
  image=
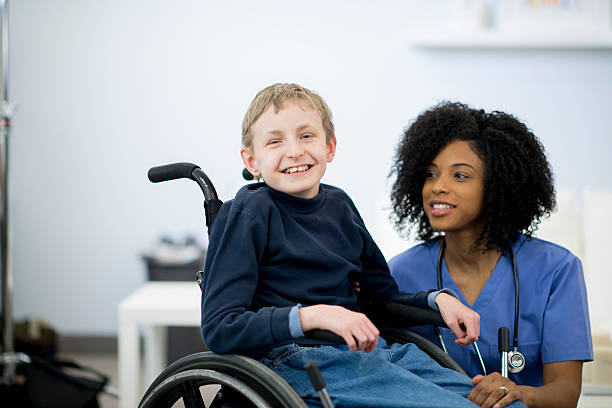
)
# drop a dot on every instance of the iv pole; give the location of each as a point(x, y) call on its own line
point(5, 127)
point(9, 360)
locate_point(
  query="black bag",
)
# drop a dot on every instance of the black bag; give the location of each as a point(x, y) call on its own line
point(54, 384)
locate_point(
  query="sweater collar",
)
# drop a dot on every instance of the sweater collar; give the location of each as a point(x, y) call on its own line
point(300, 205)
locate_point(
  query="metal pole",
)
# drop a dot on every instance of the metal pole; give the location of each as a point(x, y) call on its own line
point(5, 54)
point(5, 126)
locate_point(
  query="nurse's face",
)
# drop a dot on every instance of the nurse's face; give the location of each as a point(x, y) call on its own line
point(453, 191)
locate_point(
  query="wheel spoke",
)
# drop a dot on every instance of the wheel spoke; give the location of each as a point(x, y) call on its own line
point(191, 395)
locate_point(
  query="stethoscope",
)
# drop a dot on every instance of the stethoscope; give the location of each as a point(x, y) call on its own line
point(512, 360)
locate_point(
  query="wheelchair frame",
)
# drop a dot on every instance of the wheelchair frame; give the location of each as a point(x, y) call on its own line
point(246, 382)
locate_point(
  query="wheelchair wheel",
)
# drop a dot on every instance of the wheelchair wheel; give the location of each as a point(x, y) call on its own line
point(406, 336)
point(244, 383)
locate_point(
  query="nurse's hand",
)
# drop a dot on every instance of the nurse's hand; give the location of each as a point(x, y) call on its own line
point(463, 321)
point(494, 391)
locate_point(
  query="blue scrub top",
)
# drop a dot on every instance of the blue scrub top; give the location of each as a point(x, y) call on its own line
point(554, 316)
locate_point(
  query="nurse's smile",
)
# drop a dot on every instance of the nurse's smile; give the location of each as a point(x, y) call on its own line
point(440, 208)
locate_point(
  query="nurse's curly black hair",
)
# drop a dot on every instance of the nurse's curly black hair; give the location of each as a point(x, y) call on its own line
point(519, 188)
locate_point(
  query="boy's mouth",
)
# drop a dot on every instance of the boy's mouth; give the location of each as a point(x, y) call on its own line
point(297, 169)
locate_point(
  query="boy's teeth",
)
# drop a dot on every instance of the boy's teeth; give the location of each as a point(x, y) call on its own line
point(442, 206)
point(294, 169)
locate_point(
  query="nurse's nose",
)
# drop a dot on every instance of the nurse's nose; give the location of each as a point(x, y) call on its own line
point(440, 185)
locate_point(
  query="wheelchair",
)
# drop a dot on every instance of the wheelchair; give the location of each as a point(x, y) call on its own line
point(245, 382)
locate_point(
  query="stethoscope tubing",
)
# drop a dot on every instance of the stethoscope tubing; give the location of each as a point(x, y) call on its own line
point(516, 301)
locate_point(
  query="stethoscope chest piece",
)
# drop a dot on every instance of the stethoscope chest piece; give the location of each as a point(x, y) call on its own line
point(516, 361)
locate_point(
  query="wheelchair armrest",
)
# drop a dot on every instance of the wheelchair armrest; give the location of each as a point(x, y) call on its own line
point(324, 335)
point(402, 316)
point(396, 315)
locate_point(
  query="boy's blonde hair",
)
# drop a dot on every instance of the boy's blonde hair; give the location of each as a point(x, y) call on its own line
point(277, 95)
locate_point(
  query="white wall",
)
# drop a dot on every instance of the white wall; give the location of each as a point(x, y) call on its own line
point(107, 89)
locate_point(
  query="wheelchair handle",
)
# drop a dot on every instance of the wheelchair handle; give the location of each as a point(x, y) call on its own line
point(186, 170)
point(171, 172)
point(247, 175)
point(193, 172)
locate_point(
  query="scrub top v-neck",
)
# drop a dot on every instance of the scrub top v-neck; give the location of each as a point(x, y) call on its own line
point(553, 318)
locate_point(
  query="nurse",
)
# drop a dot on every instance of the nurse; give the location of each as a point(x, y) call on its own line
point(475, 185)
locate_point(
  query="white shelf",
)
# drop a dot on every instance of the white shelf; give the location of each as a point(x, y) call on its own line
point(596, 389)
point(483, 39)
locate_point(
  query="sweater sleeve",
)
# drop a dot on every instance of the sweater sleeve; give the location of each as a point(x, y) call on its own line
point(229, 325)
point(375, 278)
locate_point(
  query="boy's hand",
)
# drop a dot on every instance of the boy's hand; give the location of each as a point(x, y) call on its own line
point(356, 329)
point(456, 314)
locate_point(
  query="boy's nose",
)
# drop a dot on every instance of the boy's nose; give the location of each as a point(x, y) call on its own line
point(294, 150)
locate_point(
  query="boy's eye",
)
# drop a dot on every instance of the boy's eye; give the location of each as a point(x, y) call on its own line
point(306, 136)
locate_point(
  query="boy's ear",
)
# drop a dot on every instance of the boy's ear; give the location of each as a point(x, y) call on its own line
point(249, 161)
point(331, 149)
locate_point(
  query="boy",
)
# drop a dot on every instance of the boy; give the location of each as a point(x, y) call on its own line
point(291, 241)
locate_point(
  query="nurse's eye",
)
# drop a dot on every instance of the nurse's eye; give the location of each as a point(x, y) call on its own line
point(461, 176)
point(430, 174)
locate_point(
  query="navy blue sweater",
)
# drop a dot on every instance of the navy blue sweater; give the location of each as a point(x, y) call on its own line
point(269, 251)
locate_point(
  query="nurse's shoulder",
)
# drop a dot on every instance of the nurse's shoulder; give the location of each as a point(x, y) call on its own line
point(551, 256)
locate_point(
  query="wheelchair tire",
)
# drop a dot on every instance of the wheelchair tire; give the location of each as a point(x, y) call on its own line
point(242, 375)
point(403, 336)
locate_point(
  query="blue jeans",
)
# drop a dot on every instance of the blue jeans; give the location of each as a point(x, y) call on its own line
point(396, 376)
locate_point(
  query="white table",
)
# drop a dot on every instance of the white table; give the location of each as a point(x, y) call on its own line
point(155, 305)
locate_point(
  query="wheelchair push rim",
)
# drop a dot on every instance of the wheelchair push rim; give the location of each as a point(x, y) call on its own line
point(183, 379)
point(186, 385)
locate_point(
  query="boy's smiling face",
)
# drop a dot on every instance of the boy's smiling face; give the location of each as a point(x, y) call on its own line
point(289, 149)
